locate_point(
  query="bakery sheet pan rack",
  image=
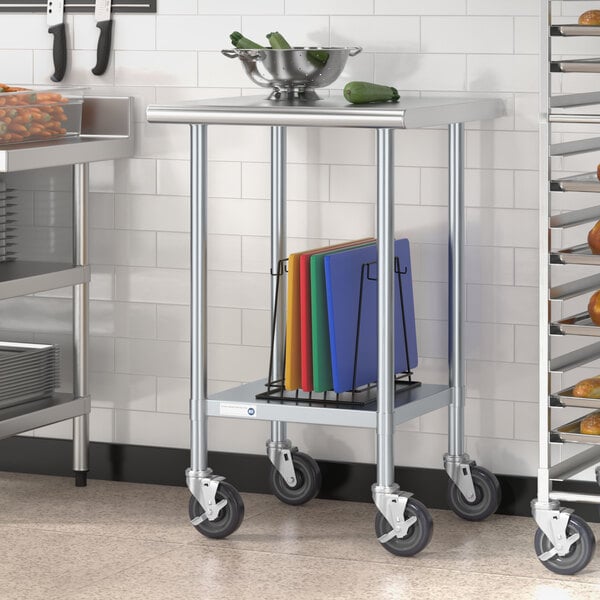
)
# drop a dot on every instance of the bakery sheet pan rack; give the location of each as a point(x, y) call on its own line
point(564, 543)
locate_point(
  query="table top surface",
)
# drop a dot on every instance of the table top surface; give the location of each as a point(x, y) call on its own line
point(335, 111)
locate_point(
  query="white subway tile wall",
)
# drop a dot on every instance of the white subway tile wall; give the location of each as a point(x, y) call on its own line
point(139, 214)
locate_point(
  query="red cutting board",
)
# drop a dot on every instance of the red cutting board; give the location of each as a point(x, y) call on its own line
point(306, 362)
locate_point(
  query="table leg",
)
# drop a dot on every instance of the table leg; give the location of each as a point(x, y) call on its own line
point(456, 288)
point(198, 316)
point(385, 307)
point(279, 448)
point(81, 426)
point(216, 508)
point(474, 492)
point(402, 525)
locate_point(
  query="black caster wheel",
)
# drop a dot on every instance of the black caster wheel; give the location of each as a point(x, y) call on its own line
point(419, 534)
point(581, 551)
point(308, 481)
point(230, 517)
point(487, 496)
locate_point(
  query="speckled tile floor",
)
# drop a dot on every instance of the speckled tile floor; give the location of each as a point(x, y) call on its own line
point(120, 541)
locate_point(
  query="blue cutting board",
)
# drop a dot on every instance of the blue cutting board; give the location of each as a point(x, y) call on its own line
point(343, 274)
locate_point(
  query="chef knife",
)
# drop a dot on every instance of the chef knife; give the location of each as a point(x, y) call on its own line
point(104, 23)
point(56, 26)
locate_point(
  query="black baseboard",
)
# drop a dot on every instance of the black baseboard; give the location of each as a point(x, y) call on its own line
point(249, 473)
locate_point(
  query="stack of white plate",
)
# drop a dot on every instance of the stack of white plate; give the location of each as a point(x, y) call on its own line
point(27, 372)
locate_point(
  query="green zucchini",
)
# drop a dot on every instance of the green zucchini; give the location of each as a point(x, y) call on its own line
point(277, 41)
point(362, 92)
point(318, 57)
point(243, 43)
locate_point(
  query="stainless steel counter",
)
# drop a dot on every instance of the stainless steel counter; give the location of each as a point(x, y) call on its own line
point(390, 408)
point(408, 113)
point(106, 134)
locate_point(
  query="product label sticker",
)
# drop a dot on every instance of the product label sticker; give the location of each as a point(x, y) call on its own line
point(229, 409)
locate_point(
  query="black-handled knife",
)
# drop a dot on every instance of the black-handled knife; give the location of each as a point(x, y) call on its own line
point(105, 24)
point(56, 26)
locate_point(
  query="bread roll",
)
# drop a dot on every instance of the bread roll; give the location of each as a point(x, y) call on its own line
point(594, 308)
point(591, 424)
point(588, 388)
point(598, 172)
point(591, 17)
point(593, 238)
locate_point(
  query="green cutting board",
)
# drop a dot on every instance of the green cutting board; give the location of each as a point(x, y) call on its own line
point(321, 349)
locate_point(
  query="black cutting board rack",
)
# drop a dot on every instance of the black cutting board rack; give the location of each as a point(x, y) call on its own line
point(80, 6)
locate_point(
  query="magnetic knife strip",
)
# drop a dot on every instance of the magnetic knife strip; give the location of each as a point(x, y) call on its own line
point(128, 6)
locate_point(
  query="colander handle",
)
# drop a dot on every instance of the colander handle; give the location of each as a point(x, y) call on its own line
point(355, 50)
point(250, 55)
point(229, 53)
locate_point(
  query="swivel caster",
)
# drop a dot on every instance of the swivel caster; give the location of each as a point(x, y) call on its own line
point(580, 553)
point(308, 481)
point(487, 496)
point(229, 518)
point(418, 535)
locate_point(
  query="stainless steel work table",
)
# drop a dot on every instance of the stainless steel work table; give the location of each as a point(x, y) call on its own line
point(106, 134)
point(403, 525)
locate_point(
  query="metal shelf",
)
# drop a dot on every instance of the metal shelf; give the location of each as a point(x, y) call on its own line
point(106, 134)
point(574, 30)
point(572, 360)
point(566, 398)
point(573, 100)
point(574, 218)
point(576, 65)
point(587, 182)
point(39, 413)
point(570, 432)
point(575, 147)
point(579, 324)
point(572, 289)
point(575, 255)
point(19, 278)
point(575, 464)
point(240, 402)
